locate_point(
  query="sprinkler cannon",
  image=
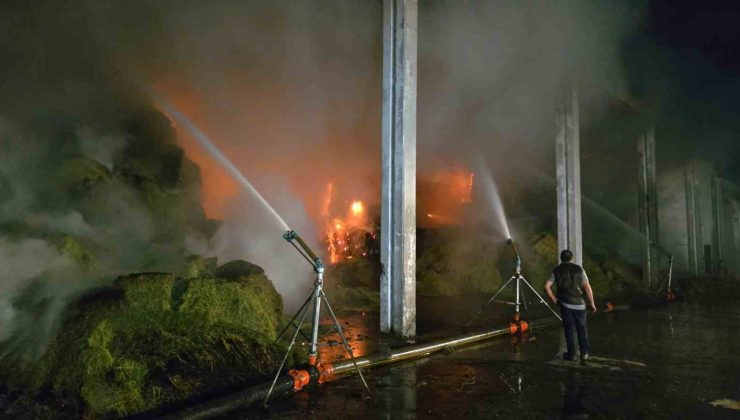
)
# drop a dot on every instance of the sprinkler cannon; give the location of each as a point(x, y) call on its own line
point(517, 258)
point(518, 325)
point(301, 377)
point(293, 238)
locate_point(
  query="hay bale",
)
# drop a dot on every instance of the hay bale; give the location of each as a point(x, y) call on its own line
point(454, 262)
point(234, 270)
point(353, 285)
point(153, 339)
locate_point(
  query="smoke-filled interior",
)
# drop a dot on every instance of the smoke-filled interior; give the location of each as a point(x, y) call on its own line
point(99, 180)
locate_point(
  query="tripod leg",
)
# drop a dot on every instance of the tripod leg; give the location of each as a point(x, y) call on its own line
point(290, 347)
point(542, 300)
point(662, 287)
point(524, 301)
point(344, 340)
point(305, 337)
point(292, 321)
point(485, 305)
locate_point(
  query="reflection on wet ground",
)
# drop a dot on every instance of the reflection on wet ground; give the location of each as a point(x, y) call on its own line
point(673, 361)
point(359, 329)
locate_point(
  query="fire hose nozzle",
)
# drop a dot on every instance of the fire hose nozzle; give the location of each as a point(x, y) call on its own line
point(517, 258)
point(513, 246)
point(293, 237)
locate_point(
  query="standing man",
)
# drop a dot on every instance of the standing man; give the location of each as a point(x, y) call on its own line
point(571, 282)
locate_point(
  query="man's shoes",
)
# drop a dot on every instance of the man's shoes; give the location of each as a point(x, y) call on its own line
point(584, 359)
point(568, 357)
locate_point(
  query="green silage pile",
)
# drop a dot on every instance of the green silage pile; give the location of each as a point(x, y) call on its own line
point(456, 262)
point(152, 340)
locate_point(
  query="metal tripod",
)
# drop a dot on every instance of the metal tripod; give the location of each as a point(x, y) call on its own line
point(668, 283)
point(315, 297)
point(519, 298)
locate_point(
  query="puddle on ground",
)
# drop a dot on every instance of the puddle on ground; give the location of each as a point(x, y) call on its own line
point(649, 364)
point(596, 362)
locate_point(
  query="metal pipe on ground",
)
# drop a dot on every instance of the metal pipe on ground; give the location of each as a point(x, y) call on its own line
point(228, 403)
point(232, 402)
point(249, 396)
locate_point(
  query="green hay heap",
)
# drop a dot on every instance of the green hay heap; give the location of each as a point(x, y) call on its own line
point(610, 276)
point(455, 262)
point(151, 340)
point(353, 285)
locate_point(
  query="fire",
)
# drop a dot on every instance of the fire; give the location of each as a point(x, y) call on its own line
point(348, 234)
point(346, 237)
point(357, 208)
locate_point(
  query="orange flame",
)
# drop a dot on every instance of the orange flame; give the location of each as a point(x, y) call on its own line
point(357, 208)
point(345, 235)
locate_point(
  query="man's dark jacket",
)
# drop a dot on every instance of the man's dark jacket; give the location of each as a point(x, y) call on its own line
point(569, 278)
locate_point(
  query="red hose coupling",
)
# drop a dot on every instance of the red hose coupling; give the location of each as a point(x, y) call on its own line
point(326, 372)
point(301, 378)
point(523, 326)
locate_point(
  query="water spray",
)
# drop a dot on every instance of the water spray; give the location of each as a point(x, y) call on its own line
point(214, 151)
point(495, 199)
point(301, 377)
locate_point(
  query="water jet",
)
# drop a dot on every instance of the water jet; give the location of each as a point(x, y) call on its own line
point(216, 153)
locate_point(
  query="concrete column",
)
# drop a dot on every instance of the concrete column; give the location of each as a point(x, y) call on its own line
point(648, 206)
point(719, 219)
point(702, 224)
point(729, 250)
point(568, 171)
point(398, 201)
point(693, 232)
point(736, 237)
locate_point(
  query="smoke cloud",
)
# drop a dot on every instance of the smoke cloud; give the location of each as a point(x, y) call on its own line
point(300, 98)
point(291, 92)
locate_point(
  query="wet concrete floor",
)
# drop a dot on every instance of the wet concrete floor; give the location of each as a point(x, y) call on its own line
point(670, 361)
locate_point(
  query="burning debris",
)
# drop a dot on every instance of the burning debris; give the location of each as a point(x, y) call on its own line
point(350, 235)
point(352, 231)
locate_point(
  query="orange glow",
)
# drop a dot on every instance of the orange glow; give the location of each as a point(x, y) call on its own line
point(218, 188)
point(246, 120)
point(326, 209)
point(458, 182)
point(444, 196)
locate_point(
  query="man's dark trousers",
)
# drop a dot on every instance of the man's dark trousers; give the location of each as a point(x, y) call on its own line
point(575, 319)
